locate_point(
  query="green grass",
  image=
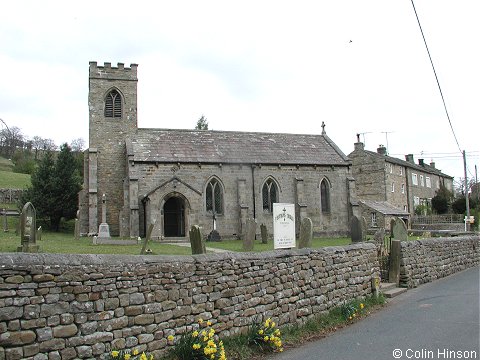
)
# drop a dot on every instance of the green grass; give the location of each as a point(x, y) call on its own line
point(11, 180)
point(5, 164)
point(237, 245)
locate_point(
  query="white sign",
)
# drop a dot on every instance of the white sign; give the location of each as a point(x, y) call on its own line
point(283, 226)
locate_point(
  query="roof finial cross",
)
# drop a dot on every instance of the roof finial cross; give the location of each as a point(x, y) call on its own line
point(323, 128)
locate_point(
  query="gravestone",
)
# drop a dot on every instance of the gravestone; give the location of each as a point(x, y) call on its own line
point(399, 231)
point(5, 221)
point(356, 231)
point(214, 236)
point(379, 237)
point(28, 227)
point(147, 239)
point(364, 228)
point(264, 233)
point(306, 233)
point(39, 233)
point(196, 240)
point(251, 228)
point(77, 227)
point(104, 229)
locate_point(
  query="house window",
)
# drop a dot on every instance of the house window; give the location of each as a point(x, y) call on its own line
point(374, 219)
point(421, 181)
point(269, 195)
point(403, 188)
point(416, 200)
point(414, 179)
point(401, 170)
point(113, 104)
point(325, 196)
point(393, 187)
point(404, 207)
point(391, 168)
point(214, 197)
point(428, 182)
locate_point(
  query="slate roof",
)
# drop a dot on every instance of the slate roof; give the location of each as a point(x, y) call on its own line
point(425, 167)
point(205, 146)
point(384, 208)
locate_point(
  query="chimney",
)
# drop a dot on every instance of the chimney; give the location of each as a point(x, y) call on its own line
point(359, 145)
point(421, 163)
point(409, 158)
point(382, 150)
point(432, 164)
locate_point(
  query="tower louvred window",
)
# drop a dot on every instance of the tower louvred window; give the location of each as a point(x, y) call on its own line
point(113, 105)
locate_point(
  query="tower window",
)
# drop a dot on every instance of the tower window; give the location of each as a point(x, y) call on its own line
point(113, 104)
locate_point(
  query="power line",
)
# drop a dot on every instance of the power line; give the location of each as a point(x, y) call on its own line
point(436, 77)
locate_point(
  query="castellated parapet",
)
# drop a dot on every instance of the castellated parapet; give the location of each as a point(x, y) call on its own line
point(120, 72)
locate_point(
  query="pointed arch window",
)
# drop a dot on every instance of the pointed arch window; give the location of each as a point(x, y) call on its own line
point(269, 195)
point(214, 197)
point(325, 196)
point(113, 104)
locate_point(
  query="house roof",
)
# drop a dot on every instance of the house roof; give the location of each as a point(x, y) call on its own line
point(205, 146)
point(384, 207)
point(425, 167)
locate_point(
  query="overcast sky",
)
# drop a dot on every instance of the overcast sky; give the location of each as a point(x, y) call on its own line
point(266, 66)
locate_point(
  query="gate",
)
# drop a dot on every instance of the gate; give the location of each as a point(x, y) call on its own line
point(384, 257)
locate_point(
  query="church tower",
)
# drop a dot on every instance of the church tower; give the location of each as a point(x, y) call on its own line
point(112, 104)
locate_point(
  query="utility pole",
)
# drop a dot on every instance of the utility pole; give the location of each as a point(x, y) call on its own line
point(467, 202)
point(386, 137)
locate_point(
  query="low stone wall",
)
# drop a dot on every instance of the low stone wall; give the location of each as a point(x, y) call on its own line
point(423, 261)
point(83, 306)
point(10, 196)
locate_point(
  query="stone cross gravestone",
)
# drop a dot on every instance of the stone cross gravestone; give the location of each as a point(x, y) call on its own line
point(196, 240)
point(399, 231)
point(264, 233)
point(356, 231)
point(28, 227)
point(104, 229)
point(306, 233)
point(251, 228)
point(77, 227)
point(147, 239)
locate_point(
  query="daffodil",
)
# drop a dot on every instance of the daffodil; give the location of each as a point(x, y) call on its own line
point(115, 353)
point(170, 338)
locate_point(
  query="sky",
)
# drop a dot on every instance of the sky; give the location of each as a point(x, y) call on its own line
point(361, 67)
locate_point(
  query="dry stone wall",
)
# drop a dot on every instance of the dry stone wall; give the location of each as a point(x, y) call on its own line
point(426, 260)
point(83, 306)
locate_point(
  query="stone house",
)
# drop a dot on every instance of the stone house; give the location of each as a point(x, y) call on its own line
point(402, 184)
point(216, 179)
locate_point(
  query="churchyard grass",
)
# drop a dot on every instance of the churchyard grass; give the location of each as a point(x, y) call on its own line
point(11, 180)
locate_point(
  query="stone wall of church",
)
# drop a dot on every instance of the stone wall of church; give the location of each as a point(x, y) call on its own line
point(240, 183)
point(83, 306)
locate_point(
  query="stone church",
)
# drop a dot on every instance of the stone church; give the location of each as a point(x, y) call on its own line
point(179, 178)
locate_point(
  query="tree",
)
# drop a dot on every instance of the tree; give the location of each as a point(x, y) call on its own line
point(41, 193)
point(202, 123)
point(55, 186)
point(442, 200)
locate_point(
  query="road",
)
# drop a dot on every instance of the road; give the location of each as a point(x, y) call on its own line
point(438, 320)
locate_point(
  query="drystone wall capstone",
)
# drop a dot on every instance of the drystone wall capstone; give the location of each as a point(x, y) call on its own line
point(426, 260)
point(83, 306)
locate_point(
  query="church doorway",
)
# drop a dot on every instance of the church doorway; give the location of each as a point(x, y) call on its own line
point(174, 217)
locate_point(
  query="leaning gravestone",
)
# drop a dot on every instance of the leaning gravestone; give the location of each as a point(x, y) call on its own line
point(399, 230)
point(196, 240)
point(356, 229)
point(306, 234)
point(251, 228)
point(5, 221)
point(28, 233)
point(264, 233)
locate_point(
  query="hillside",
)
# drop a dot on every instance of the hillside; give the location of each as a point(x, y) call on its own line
point(9, 179)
